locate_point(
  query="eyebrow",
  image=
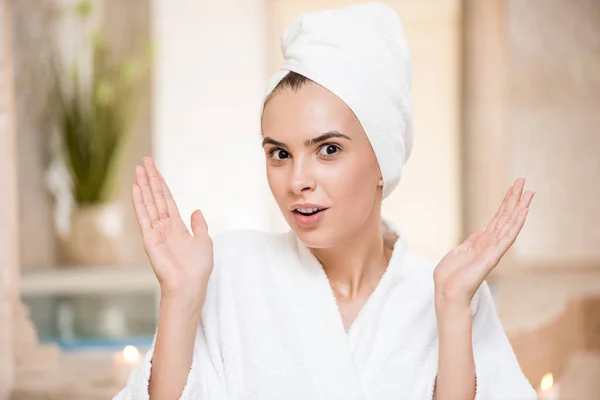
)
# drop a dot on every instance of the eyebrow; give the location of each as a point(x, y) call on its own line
point(307, 143)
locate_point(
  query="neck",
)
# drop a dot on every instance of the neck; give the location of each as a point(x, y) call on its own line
point(358, 264)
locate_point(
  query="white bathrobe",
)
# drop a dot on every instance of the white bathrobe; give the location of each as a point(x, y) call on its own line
point(271, 329)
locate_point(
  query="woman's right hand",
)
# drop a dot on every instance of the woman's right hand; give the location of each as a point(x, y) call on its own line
point(182, 262)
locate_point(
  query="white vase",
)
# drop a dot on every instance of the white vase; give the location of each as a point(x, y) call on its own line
point(95, 236)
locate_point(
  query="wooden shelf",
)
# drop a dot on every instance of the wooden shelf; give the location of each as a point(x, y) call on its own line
point(87, 280)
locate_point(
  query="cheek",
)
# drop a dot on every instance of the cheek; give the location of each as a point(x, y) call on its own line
point(353, 189)
point(351, 182)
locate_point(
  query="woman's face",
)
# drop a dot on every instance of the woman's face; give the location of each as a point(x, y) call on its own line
point(318, 155)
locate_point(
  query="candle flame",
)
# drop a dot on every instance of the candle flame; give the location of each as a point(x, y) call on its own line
point(547, 382)
point(131, 354)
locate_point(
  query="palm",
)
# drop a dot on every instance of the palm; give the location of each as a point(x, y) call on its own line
point(460, 273)
point(177, 257)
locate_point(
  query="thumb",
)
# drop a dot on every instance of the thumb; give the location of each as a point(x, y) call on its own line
point(198, 224)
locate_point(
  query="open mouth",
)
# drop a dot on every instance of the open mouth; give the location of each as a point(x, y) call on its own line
point(309, 216)
point(310, 212)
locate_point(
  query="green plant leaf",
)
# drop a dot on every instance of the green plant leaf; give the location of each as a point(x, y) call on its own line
point(84, 8)
point(95, 120)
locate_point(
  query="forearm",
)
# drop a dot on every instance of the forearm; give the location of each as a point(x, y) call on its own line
point(456, 365)
point(173, 350)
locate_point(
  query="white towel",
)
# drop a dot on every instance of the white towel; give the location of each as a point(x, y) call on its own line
point(271, 329)
point(360, 54)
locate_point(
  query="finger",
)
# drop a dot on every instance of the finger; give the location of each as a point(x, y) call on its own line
point(157, 188)
point(524, 203)
point(496, 236)
point(513, 200)
point(171, 204)
point(140, 209)
point(492, 225)
point(509, 239)
point(492, 255)
point(198, 223)
point(142, 181)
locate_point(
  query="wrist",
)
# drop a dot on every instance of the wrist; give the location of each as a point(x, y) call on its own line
point(182, 303)
point(453, 314)
point(193, 290)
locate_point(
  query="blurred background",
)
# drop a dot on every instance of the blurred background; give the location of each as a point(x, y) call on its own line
point(502, 89)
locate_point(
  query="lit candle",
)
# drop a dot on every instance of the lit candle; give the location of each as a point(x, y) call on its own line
point(124, 362)
point(548, 390)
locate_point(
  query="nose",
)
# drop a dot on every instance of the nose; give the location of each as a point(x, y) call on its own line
point(302, 178)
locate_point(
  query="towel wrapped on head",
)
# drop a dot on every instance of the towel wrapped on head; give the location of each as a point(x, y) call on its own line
point(360, 54)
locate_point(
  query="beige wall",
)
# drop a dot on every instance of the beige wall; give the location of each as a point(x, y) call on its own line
point(210, 75)
point(426, 206)
point(555, 127)
point(486, 144)
point(30, 41)
point(9, 254)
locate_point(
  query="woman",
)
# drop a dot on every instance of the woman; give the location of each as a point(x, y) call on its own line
point(338, 307)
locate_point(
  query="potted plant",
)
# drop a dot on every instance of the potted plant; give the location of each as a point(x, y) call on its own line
point(92, 114)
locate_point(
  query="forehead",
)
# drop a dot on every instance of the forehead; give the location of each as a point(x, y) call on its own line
point(308, 111)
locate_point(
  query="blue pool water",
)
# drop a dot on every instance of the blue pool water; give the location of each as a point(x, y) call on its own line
point(141, 342)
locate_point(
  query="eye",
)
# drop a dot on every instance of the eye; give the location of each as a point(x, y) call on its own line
point(278, 154)
point(329, 149)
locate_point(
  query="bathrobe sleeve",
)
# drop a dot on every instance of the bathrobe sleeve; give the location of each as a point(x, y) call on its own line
point(498, 374)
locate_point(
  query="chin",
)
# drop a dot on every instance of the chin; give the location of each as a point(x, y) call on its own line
point(316, 238)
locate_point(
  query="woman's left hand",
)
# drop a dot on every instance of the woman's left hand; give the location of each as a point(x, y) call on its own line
point(460, 273)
